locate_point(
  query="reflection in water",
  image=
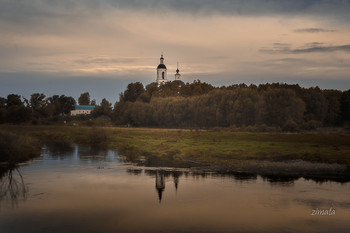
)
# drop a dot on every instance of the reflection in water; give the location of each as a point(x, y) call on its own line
point(135, 172)
point(69, 193)
point(12, 186)
point(160, 184)
point(58, 150)
point(176, 176)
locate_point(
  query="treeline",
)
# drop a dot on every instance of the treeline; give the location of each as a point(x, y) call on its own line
point(282, 106)
point(40, 109)
point(198, 104)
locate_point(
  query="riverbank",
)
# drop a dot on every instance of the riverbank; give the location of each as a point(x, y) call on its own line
point(16, 148)
point(319, 154)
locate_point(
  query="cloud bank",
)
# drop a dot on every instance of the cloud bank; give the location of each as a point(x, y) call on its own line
point(313, 30)
point(24, 9)
point(315, 47)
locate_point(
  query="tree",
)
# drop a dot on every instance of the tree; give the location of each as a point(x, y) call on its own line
point(16, 112)
point(316, 104)
point(282, 106)
point(60, 105)
point(345, 105)
point(2, 102)
point(68, 103)
point(13, 100)
point(132, 92)
point(104, 109)
point(2, 110)
point(84, 99)
point(38, 104)
point(333, 117)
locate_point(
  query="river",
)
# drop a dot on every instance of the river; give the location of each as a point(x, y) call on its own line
point(85, 190)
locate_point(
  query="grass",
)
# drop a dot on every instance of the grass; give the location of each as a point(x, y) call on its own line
point(15, 149)
point(223, 149)
point(218, 148)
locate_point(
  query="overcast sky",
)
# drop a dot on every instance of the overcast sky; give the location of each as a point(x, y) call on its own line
point(72, 46)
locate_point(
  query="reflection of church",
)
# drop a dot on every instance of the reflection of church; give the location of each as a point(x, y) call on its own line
point(160, 184)
point(160, 181)
point(162, 72)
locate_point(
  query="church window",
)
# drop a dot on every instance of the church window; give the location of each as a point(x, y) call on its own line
point(162, 75)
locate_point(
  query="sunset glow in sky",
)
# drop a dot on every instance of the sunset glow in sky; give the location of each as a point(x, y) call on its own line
point(72, 46)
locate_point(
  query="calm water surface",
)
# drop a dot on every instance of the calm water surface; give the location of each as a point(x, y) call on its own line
point(84, 190)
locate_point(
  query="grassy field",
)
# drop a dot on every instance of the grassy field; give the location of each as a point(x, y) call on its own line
point(205, 148)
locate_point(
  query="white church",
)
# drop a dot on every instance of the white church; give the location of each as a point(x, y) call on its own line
point(162, 72)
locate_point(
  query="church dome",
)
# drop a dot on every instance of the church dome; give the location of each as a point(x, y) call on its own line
point(161, 66)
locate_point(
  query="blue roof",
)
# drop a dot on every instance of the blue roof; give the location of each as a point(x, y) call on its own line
point(84, 107)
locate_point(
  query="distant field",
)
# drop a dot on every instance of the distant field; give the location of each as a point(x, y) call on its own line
point(220, 148)
point(207, 148)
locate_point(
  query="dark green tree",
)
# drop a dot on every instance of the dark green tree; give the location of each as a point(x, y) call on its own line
point(345, 106)
point(2, 110)
point(38, 105)
point(104, 109)
point(283, 108)
point(132, 92)
point(60, 105)
point(16, 112)
point(333, 116)
point(84, 99)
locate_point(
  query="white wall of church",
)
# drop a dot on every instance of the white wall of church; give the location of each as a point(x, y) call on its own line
point(160, 76)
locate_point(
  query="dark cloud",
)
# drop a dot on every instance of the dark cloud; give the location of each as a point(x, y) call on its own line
point(313, 30)
point(322, 49)
point(239, 6)
point(25, 9)
point(315, 47)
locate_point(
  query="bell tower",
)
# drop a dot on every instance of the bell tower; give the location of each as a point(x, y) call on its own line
point(177, 75)
point(161, 72)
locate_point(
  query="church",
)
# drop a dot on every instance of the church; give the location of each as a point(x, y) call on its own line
point(162, 72)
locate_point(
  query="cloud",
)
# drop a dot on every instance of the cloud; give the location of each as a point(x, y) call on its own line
point(22, 10)
point(105, 60)
point(316, 47)
point(313, 30)
point(240, 7)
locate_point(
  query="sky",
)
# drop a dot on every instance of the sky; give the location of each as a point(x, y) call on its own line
point(73, 46)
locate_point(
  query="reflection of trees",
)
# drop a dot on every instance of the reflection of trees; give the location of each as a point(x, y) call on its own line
point(59, 149)
point(135, 172)
point(96, 154)
point(12, 186)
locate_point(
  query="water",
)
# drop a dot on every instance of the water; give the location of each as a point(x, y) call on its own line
point(84, 190)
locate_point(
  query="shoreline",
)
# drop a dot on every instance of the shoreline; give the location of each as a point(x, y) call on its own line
point(278, 154)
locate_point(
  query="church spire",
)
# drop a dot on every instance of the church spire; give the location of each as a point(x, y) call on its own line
point(177, 75)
